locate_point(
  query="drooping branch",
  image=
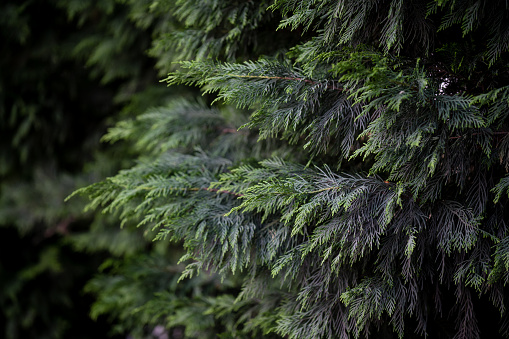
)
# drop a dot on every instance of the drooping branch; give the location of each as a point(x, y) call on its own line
point(494, 133)
point(309, 81)
point(194, 189)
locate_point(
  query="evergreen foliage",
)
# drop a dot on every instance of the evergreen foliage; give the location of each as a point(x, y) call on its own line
point(53, 111)
point(353, 177)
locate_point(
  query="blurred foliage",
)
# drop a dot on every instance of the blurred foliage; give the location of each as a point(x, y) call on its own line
point(67, 68)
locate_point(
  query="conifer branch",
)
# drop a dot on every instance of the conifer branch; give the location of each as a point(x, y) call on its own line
point(357, 253)
point(311, 82)
point(494, 133)
point(150, 188)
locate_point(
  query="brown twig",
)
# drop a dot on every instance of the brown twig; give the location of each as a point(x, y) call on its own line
point(284, 78)
point(232, 131)
point(196, 189)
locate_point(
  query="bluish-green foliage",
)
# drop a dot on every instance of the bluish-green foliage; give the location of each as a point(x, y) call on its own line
point(366, 190)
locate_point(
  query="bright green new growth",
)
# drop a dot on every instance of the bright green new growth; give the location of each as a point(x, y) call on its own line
point(365, 193)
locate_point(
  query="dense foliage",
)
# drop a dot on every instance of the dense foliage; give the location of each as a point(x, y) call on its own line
point(342, 174)
point(365, 194)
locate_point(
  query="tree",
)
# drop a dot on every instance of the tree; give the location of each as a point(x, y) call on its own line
point(353, 176)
